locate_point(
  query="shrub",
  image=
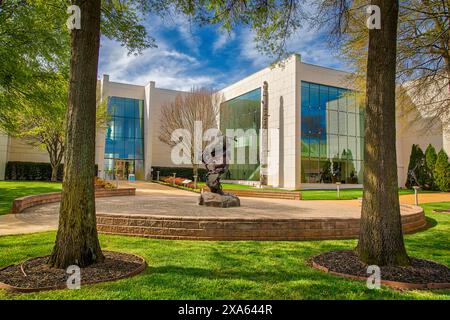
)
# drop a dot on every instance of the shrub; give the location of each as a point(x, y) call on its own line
point(418, 173)
point(17, 170)
point(102, 184)
point(430, 162)
point(39, 171)
point(178, 182)
point(430, 157)
point(442, 172)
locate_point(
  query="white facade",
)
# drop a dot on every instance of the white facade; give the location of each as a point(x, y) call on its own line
point(156, 153)
point(284, 146)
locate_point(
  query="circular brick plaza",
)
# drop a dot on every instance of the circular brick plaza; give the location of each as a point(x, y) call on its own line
point(175, 214)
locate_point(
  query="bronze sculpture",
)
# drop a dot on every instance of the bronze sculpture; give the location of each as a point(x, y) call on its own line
point(216, 158)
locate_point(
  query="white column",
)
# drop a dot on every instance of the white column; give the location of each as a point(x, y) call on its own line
point(148, 128)
point(4, 140)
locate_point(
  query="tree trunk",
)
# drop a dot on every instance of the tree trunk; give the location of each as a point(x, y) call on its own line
point(77, 239)
point(54, 177)
point(381, 239)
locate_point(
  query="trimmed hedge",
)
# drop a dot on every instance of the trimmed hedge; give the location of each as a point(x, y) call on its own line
point(17, 170)
point(181, 172)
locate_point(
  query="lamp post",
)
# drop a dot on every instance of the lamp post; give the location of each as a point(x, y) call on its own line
point(157, 175)
point(338, 189)
point(416, 194)
point(174, 174)
point(195, 182)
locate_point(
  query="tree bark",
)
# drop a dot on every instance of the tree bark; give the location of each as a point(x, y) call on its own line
point(54, 177)
point(381, 238)
point(55, 150)
point(77, 240)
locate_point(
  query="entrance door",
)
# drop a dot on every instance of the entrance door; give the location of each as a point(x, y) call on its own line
point(123, 168)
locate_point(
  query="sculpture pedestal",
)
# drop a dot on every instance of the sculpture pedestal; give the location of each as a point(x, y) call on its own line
point(226, 200)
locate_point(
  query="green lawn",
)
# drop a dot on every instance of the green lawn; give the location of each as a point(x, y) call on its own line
point(232, 270)
point(10, 190)
point(345, 194)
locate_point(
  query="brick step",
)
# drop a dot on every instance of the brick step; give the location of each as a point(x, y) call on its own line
point(237, 224)
point(210, 228)
point(216, 238)
point(218, 234)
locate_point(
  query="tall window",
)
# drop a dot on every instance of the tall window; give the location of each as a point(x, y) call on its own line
point(332, 135)
point(243, 112)
point(124, 147)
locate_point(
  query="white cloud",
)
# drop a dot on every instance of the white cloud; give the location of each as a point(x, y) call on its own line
point(223, 38)
point(308, 42)
point(249, 50)
point(167, 67)
point(186, 29)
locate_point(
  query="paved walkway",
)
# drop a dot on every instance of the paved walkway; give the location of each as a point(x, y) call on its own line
point(156, 199)
point(426, 198)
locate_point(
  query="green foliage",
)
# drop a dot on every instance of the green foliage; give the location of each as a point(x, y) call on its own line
point(122, 21)
point(29, 171)
point(442, 172)
point(34, 44)
point(417, 172)
point(422, 169)
point(16, 170)
point(422, 54)
point(430, 157)
point(430, 162)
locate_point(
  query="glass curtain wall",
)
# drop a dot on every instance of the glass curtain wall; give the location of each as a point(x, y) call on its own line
point(124, 145)
point(332, 135)
point(243, 112)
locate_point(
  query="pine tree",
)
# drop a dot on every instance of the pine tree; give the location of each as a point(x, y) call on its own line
point(430, 157)
point(410, 180)
point(442, 172)
point(418, 174)
point(421, 169)
point(430, 162)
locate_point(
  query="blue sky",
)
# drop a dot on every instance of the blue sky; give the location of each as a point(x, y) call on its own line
point(192, 56)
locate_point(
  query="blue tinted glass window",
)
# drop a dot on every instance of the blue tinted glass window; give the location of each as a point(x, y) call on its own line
point(332, 135)
point(124, 135)
point(243, 112)
point(138, 128)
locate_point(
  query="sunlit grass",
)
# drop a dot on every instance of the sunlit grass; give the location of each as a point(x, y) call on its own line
point(232, 269)
point(10, 190)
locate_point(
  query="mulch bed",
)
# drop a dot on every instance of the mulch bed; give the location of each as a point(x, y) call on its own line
point(421, 274)
point(35, 275)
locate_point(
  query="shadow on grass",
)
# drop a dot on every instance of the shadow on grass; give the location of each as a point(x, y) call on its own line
point(431, 223)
